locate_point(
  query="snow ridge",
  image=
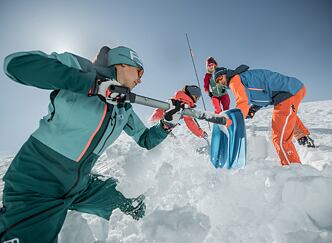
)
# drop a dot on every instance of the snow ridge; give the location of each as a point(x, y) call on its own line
point(188, 200)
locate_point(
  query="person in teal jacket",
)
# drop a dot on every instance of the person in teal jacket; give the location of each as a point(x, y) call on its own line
point(51, 173)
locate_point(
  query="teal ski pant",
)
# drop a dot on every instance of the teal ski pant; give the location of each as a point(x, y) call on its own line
point(30, 217)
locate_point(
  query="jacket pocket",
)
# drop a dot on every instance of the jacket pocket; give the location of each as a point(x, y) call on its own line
point(259, 96)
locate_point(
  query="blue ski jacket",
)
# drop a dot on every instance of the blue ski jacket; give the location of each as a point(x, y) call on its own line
point(262, 88)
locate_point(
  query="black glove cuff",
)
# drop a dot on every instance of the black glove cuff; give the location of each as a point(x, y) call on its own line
point(95, 86)
point(166, 126)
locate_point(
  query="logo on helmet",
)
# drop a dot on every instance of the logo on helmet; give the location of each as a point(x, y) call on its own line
point(124, 55)
point(135, 58)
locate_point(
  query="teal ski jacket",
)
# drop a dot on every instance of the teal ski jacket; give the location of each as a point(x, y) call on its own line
point(77, 128)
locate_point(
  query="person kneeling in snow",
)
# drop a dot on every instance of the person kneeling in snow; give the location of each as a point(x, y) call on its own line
point(260, 88)
point(188, 98)
point(52, 171)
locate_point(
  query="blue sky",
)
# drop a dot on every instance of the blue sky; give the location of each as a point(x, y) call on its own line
point(289, 36)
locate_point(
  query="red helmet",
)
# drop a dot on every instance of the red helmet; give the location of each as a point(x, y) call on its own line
point(211, 60)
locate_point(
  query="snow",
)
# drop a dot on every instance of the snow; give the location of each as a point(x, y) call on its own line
point(188, 200)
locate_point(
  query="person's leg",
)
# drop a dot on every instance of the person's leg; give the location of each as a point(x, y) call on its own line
point(27, 217)
point(216, 104)
point(101, 198)
point(300, 130)
point(225, 101)
point(34, 209)
point(283, 123)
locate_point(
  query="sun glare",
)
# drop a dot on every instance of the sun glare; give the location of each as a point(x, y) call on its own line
point(63, 44)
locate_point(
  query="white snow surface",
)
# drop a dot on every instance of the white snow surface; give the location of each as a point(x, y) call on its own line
point(189, 201)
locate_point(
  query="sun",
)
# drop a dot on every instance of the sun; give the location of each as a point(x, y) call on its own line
point(65, 43)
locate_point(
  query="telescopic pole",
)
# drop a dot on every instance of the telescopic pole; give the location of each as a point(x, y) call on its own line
point(192, 59)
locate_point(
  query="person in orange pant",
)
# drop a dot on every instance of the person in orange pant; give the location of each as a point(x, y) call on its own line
point(189, 95)
point(259, 88)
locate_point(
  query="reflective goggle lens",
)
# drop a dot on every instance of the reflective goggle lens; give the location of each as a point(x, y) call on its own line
point(140, 73)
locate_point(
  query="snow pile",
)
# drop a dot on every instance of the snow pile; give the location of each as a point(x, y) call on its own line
point(189, 201)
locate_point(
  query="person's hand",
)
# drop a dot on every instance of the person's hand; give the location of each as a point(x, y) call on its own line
point(252, 111)
point(205, 136)
point(228, 122)
point(104, 92)
point(172, 115)
point(210, 94)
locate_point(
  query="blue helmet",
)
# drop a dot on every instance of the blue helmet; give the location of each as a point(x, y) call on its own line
point(193, 90)
point(124, 55)
point(219, 71)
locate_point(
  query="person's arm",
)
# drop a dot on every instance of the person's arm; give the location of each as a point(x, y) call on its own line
point(193, 126)
point(145, 137)
point(207, 82)
point(46, 72)
point(252, 111)
point(240, 94)
point(157, 115)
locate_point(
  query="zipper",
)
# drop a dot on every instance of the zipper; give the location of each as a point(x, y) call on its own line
point(218, 90)
point(263, 101)
point(257, 89)
point(108, 135)
point(81, 162)
point(88, 145)
point(130, 127)
point(260, 90)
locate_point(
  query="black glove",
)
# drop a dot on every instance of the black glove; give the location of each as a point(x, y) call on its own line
point(205, 136)
point(210, 94)
point(306, 141)
point(252, 110)
point(172, 115)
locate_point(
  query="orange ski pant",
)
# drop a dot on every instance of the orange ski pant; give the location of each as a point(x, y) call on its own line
point(285, 125)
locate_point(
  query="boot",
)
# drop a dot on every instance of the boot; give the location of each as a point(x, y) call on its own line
point(135, 207)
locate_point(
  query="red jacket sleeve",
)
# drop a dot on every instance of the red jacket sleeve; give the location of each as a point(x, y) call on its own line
point(193, 126)
point(207, 82)
point(156, 115)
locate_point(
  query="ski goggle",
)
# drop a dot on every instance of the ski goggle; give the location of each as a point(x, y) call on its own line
point(140, 73)
point(219, 79)
point(212, 65)
point(194, 90)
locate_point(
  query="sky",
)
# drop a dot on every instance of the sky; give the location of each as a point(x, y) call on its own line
point(291, 37)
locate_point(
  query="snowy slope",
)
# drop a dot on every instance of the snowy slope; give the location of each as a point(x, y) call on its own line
point(190, 201)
